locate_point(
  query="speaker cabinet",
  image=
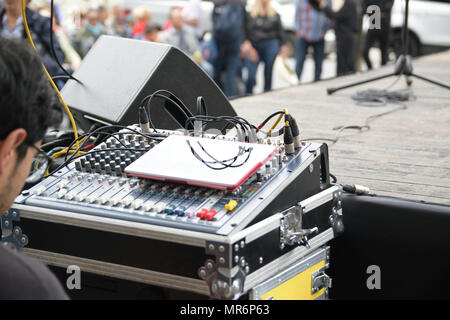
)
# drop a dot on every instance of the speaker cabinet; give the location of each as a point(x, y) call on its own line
point(117, 74)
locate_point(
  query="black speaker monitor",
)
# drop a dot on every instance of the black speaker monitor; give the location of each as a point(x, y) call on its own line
point(117, 74)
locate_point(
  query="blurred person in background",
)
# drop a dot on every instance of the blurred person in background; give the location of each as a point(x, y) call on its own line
point(310, 26)
point(281, 69)
point(378, 35)
point(346, 17)
point(264, 33)
point(184, 39)
point(228, 33)
point(168, 24)
point(73, 22)
point(89, 33)
point(142, 17)
point(193, 17)
point(120, 26)
point(12, 27)
point(152, 33)
point(103, 19)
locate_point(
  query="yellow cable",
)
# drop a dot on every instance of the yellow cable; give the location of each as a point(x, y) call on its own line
point(72, 121)
point(66, 150)
point(63, 152)
point(275, 124)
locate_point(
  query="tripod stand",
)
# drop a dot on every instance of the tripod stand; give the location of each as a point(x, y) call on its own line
point(403, 65)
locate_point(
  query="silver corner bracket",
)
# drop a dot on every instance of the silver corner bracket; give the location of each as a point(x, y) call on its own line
point(224, 277)
point(336, 219)
point(12, 236)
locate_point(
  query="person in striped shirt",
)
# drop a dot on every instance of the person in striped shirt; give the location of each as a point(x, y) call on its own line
point(310, 26)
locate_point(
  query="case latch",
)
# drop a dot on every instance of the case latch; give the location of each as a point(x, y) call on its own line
point(291, 231)
point(320, 280)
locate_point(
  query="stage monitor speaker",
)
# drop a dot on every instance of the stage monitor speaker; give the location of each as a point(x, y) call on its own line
point(391, 249)
point(117, 74)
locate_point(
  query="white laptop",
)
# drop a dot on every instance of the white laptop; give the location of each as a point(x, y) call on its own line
point(204, 162)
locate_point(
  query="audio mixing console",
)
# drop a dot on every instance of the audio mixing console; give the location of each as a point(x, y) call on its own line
point(96, 184)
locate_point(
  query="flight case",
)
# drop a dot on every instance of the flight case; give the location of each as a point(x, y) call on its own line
point(226, 267)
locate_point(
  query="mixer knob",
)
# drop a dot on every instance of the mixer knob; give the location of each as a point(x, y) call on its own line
point(133, 183)
point(78, 165)
point(176, 190)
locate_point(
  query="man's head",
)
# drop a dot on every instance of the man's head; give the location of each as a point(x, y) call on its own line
point(26, 103)
point(151, 33)
point(92, 17)
point(176, 17)
point(13, 5)
point(142, 13)
point(103, 14)
point(119, 13)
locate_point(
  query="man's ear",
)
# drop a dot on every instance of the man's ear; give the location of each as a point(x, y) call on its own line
point(9, 145)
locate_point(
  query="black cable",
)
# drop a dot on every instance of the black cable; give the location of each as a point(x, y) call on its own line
point(268, 119)
point(333, 177)
point(241, 151)
point(60, 77)
point(206, 119)
point(52, 46)
point(178, 103)
point(56, 143)
point(224, 165)
point(99, 130)
point(201, 106)
point(374, 98)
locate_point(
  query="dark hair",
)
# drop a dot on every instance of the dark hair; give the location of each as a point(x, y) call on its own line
point(26, 98)
point(152, 27)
